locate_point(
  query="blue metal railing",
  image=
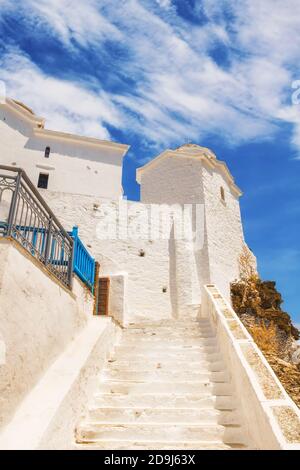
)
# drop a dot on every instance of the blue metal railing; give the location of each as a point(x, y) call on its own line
point(36, 237)
point(26, 217)
point(83, 262)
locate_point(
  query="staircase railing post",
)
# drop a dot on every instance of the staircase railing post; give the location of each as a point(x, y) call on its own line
point(13, 203)
point(72, 260)
point(93, 276)
point(48, 240)
point(75, 238)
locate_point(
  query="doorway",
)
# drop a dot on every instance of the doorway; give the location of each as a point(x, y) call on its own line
point(103, 296)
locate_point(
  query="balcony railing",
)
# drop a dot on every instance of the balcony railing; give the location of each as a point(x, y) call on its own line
point(83, 262)
point(26, 217)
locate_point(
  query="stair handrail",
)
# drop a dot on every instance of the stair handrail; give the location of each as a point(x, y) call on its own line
point(36, 228)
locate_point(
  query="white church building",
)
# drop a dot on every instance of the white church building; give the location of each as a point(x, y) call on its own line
point(79, 175)
point(56, 160)
point(170, 365)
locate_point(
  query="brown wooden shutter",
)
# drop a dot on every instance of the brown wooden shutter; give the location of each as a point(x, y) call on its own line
point(103, 296)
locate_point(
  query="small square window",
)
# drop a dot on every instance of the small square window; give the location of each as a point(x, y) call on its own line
point(43, 181)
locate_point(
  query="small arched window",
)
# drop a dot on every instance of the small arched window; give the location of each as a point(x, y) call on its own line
point(47, 152)
point(222, 191)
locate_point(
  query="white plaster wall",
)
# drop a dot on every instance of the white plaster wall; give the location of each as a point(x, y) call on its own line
point(225, 239)
point(175, 179)
point(59, 400)
point(118, 299)
point(38, 318)
point(72, 167)
point(84, 297)
point(187, 292)
point(258, 392)
point(188, 179)
point(147, 276)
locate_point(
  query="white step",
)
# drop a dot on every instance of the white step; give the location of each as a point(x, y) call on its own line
point(152, 445)
point(164, 364)
point(169, 348)
point(194, 326)
point(169, 342)
point(164, 387)
point(187, 356)
point(161, 415)
point(174, 340)
point(167, 334)
point(159, 375)
point(167, 400)
point(185, 323)
point(160, 432)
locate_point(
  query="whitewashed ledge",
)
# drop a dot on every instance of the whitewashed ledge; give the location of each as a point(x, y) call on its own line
point(272, 419)
point(47, 417)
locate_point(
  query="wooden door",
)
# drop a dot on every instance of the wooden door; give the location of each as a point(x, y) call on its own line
point(103, 296)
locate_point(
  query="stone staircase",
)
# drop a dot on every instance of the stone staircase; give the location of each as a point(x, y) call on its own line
point(165, 387)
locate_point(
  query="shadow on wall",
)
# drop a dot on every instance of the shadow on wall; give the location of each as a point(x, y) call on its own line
point(70, 149)
point(17, 124)
point(74, 150)
point(5, 202)
point(172, 273)
point(202, 263)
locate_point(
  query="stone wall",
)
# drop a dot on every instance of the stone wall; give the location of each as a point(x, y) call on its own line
point(190, 178)
point(73, 166)
point(271, 419)
point(165, 275)
point(224, 230)
point(174, 179)
point(162, 279)
point(38, 319)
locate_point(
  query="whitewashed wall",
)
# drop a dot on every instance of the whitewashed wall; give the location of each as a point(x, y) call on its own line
point(38, 319)
point(225, 237)
point(72, 166)
point(177, 267)
point(167, 264)
point(176, 179)
point(184, 179)
point(173, 180)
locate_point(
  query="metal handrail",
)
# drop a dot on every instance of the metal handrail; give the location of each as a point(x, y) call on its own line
point(37, 195)
point(31, 222)
point(83, 262)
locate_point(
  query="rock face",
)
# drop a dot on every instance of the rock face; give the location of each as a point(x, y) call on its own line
point(267, 308)
point(296, 354)
point(259, 306)
point(288, 374)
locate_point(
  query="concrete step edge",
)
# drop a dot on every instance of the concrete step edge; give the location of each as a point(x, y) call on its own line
point(149, 408)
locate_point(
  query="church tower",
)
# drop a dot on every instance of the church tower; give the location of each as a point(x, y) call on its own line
point(193, 175)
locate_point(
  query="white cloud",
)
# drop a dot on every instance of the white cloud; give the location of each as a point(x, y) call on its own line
point(164, 3)
point(67, 106)
point(242, 102)
point(69, 20)
point(180, 92)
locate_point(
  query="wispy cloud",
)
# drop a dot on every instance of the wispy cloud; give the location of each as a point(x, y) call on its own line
point(68, 20)
point(180, 88)
point(67, 106)
point(164, 3)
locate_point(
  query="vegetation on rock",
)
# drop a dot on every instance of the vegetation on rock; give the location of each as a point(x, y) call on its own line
point(258, 304)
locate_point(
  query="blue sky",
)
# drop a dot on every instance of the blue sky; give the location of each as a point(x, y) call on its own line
point(160, 73)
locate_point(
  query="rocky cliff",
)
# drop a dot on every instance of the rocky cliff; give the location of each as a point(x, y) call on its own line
point(258, 303)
